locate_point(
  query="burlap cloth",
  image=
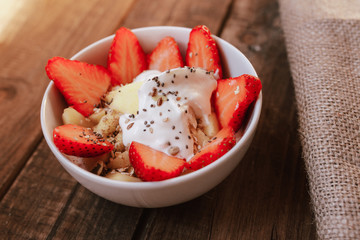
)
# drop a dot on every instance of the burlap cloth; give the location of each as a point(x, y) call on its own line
point(323, 45)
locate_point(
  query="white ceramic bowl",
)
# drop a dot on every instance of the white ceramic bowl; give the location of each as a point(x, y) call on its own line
point(171, 191)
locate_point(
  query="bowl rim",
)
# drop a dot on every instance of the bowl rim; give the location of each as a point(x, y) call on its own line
point(248, 132)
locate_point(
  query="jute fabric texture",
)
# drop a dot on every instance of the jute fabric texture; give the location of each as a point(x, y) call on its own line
point(323, 45)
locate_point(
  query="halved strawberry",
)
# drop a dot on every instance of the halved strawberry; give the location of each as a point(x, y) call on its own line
point(81, 84)
point(223, 141)
point(126, 58)
point(79, 141)
point(165, 56)
point(202, 50)
point(152, 165)
point(233, 96)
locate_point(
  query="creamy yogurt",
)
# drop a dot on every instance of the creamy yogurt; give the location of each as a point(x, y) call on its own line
point(165, 111)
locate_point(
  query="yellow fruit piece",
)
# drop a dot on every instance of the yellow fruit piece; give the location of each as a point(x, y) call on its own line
point(125, 99)
point(122, 177)
point(71, 116)
point(212, 128)
point(97, 115)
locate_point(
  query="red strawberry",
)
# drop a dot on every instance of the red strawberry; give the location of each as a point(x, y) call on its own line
point(126, 58)
point(233, 97)
point(153, 165)
point(202, 50)
point(79, 141)
point(80, 83)
point(165, 56)
point(223, 141)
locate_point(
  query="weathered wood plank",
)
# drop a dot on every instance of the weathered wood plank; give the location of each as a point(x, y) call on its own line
point(39, 194)
point(266, 196)
point(32, 32)
point(184, 13)
point(190, 220)
point(91, 217)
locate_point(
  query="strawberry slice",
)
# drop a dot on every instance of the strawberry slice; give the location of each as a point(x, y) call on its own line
point(80, 83)
point(202, 50)
point(126, 58)
point(79, 141)
point(223, 141)
point(165, 56)
point(233, 96)
point(152, 165)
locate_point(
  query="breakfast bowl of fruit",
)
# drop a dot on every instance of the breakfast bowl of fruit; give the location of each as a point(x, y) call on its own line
point(151, 117)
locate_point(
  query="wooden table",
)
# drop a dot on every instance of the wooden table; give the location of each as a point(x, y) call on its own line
point(265, 197)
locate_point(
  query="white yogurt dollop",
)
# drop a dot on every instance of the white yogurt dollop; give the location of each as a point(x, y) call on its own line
point(165, 104)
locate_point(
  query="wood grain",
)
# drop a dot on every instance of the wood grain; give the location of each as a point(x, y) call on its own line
point(91, 217)
point(38, 196)
point(185, 13)
point(271, 181)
